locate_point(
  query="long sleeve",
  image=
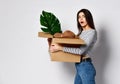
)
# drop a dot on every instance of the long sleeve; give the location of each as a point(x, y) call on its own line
point(90, 37)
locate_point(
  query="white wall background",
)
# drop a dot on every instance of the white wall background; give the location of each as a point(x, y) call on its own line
point(24, 58)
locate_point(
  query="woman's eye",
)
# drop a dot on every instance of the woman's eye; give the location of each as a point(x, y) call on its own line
point(83, 16)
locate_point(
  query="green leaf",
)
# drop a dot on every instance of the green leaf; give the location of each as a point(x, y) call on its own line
point(43, 21)
point(44, 29)
point(50, 22)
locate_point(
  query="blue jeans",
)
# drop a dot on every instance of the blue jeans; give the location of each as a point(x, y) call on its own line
point(85, 73)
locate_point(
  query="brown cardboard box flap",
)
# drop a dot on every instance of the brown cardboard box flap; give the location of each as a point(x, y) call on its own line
point(68, 41)
point(64, 57)
point(45, 35)
point(61, 40)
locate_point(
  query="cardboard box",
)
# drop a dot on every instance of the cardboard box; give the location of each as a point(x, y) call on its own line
point(64, 57)
point(61, 56)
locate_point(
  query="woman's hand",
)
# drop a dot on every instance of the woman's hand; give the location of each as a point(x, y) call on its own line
point(55, 47)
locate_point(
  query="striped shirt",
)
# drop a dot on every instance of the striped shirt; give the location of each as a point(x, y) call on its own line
point(90, 37)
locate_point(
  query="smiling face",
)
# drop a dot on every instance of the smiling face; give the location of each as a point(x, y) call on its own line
point(82, 20)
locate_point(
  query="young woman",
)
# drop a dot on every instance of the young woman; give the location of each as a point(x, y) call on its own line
point(85, 71)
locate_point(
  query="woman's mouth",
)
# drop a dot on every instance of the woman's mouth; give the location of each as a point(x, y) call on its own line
point(81, 22)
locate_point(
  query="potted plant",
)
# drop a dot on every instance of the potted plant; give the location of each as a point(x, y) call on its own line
point(50, 23)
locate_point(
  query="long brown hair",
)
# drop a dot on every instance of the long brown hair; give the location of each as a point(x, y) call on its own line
point(89, 20)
